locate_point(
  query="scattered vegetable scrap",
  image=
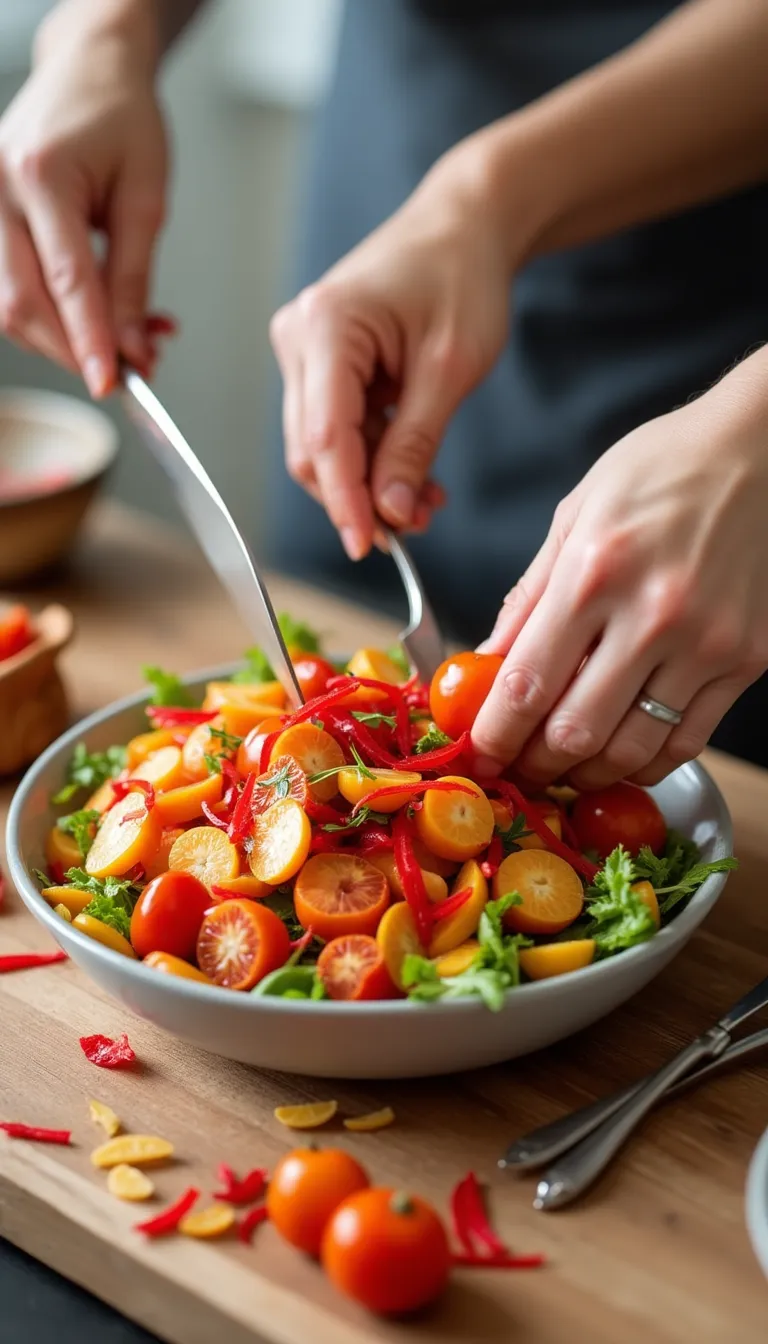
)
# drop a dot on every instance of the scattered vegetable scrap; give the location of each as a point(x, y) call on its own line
point(104, 1115)
point(24, 961)
point(245, 1191)
point(136, 1150)
point(126, 1182)
point(368, 1124)
point(36, 1133)
point(169, 1219)
point(106, 1053)
point(249, 1222)
point(208, 1223)
point(311, 1116)
point(481, 1246)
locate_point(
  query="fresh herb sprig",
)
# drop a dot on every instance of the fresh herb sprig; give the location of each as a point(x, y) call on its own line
point(167, 688)
point(495, 969)
point(89, 769)
point(81, 826)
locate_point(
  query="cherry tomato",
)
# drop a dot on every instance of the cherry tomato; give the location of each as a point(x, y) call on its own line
point(620, 815)
point(16, 631)
point(312, 673)
point(458, 689)
point(240, 942)
point(168, 915)
point(248, 758)
point(306, 1188)
point(387, 1250)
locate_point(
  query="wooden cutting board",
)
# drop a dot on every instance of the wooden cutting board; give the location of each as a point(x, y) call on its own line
point(657, 1252)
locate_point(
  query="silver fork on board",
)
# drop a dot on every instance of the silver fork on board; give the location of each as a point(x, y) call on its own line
point(421, 638)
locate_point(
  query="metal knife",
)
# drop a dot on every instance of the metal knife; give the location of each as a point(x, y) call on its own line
point(212, 524)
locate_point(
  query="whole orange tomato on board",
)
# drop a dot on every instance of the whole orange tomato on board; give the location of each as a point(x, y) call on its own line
point(388, 1250)
point(623, 814)
point(458, 689)
point(306, 1188)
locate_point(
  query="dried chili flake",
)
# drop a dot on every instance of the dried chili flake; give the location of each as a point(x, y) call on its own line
point(237, 1191)
point(168, 1219)
point(106, 1053)
point(36, 1133)
point(535, 822)
point(23, 961)
point(411, 876)
point(444, 909)
point(248, 1224)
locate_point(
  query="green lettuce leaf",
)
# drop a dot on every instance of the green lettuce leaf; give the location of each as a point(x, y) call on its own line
point(81, 826)
point(432, 739)
point(619, 918)
point(257, 670)
point(87, 770)
point(167, 688)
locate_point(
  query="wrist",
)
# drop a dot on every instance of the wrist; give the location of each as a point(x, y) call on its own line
point(131, 24)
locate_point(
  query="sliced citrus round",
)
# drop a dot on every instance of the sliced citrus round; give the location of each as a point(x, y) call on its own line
point(244, 695)
point(281, 837)
point(338, 894)
point(356, 786)
point(550, 891)
point(368, 1124)
point(206, 853)
point(316, 752)
point(163, 768)
point(129, 834)
point(240, 942)
point(648, 896)
point(309, 1116)
point(184, 804)
point(284, 779)
point(432, 863)
point(142, 746)
point(158, 863)
point(437, 887)
point(352, 967)
point(397, 937)
point(457, 961)
point(208, 1223)
point(456, 824)
point(455, 929)
point(62, 850)
point(130, 1183)
point(541, 963)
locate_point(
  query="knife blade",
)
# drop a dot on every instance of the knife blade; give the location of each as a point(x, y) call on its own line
point(212, 525)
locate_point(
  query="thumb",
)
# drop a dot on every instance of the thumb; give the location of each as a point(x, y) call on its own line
point(135, 221)
point(407, 449)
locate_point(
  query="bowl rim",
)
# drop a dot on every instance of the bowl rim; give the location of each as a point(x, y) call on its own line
point(675, 933)
point(756, 1202)
point(30, 403)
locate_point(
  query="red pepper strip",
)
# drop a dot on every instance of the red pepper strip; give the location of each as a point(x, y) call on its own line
point(323, 813)
point(569, 835)
point(392, 692)
point(324, 843)
point(22, 961)
point(266, 750)
point(435, 760)
point(340, 721)
point(493, 857)
point(122, 787)
point(374, 839)
point(236, 1191)
point(173, 716)
point(470, 1220)
point(444, 909)
point(106, 1053)
point(242, 818)
point(403, 727)
point(250, 1222)
point(423, 786)
point(229, 772)
point(35, 1132)
point(209, 813)
point(299, 944)
point(168, 1219)
point(472, 1261)
point(533, 819)
point(316, 707)
point(411, 876)
point(57, 872)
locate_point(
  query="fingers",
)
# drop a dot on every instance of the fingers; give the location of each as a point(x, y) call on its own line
point(333, 412)
point(27, 314)
point(135, 219)
point(411, 441)
point(700, 720)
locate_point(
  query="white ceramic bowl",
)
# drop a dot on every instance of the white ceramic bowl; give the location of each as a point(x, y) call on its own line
point(757, 1202)
point(368, 1040)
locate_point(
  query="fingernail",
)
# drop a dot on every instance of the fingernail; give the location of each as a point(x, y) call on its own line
point(398, 502)
point(488, 766)
point(96, 375)
point(352, 543)
point(485, 647)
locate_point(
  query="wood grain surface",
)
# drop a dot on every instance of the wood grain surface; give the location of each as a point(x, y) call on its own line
point(657, 1252)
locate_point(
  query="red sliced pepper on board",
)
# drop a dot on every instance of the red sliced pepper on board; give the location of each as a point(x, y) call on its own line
point(462, 1260)
point(481, 1246)
point(36, 1133)
point(24, 961)
point(535, 822)
point(237, 1191)
point(248, 1224)
point(168, 1219)
point(106, 1053)
point(411, 876)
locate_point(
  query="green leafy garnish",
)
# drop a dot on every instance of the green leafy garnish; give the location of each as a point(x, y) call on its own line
point(691, 880)
point(43, 878)
point(495, 969)
point(87, 770)
point(362, 769)
point(112, 898)
point(297, 634)
point(258, 668)
point(167, 688)
point(432, 739)
point(619, 917)
point(280, 781)
point(374, 720)
point(515, 831)
point(230, 741)
point(678, 871)
point(81, 826)
point(360, 818)
point(399, 657)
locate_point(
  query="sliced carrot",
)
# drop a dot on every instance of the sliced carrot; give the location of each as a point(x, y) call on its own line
point(437, 887)
point(158, 863)
point(163, 768)
point(129, 834)
point(337, 894)
point(281, 840)
point(103, 933)
point(432, 863)
point(240, 942)
point(207, 854)
point(244, 695)
point(71, 897)
point(459, 960)
point(142, 746)
point(540, 963)
point(316, 751)
point(648, 896)
point(309, 1116)
point(62, 850)
point(178, 806)
point(455, 929)
point(456, 825)
point(534, 841)
point(352, 968)
point(355, 786)
point(549, 888)
point(244, 885)
point(368, 1124)
point(398, 937)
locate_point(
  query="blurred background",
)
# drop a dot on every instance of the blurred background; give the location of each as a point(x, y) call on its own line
point(239, 89)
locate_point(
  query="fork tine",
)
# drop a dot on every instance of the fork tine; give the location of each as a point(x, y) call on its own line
point(421, 637)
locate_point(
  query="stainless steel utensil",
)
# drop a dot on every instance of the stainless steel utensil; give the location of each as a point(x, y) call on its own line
point(583, 1163)
point(543, 1145)
point(421, 637)
point(212, 524)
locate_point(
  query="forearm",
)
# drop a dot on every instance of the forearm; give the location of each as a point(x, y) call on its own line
point(147, 27)
point(678, 118)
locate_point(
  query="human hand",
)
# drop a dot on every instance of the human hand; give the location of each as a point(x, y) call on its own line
point(652, 578)
point(82, 147)
point(412, 319)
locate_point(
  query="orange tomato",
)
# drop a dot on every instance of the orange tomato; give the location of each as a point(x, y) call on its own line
point(337, 894)
point(387, 1250)
point(240, 942)
point(170, 965)
point(456, 825)
point(121, 843)
point(316, 751)
point(281, 840)
point(284, 779)
point(306, 1188)
point(550, 890)
point(458, 689)
point(168, 915)
point(455, 929)
point(437, 888)
point(353, 967)
point(356, 787)
point(178, 806)
point(248, 759)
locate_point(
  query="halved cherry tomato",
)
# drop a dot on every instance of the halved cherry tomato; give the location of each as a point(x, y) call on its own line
point(316, 751)
point(129, 834)
point(248, 759)
point(312, 673)
point(458, 689)
point(456, 825)
point(305, 1189)
point(623, 814)
point(284, 779)
point(281, 838)
point(455, 929)
point(186, 803)
point(549, 888)
point(169, 965)
point(337, 894)
point(168, 915)
point(356, 786)
point(207, 854)
point(353, 967)
point(16, 630)
point(240, 942)
point(387, 1250)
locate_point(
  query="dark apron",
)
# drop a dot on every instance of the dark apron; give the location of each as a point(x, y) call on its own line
point(603, 337)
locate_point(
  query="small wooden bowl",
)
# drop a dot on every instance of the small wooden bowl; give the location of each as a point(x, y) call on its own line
point(33, 702)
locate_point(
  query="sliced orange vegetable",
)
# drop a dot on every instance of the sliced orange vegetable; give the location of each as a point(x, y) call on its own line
point(432, 863)
point(178, 806)
point(144, 744)
point(103, 933)
point(102, 798)
point(71, 897)
point(376, 666)
point(104, 1116)
point(502, 816)
point(159, 861)
point(164, 768)
point(129, 834)
point(534, 841)
point(397, 937)
point(207, 854)
point(200, 744)
point(316, 751)
point(437, 887)
point(648, 896)
point(550, 890)
point(245, 885)
point(459, 960)
point(244, 695)
point(136, 1150)
point(281, 840)
point(355, 786)
point(455, 929)
point(311, 1116)
point(368, 1124)
point(62, 850)
point(337, 894)
point(62, 912)
point(240, 942)
point(170, 965)
point(126, 1182)
point(540, 963)
point(456, 825)
point(208, 1223)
